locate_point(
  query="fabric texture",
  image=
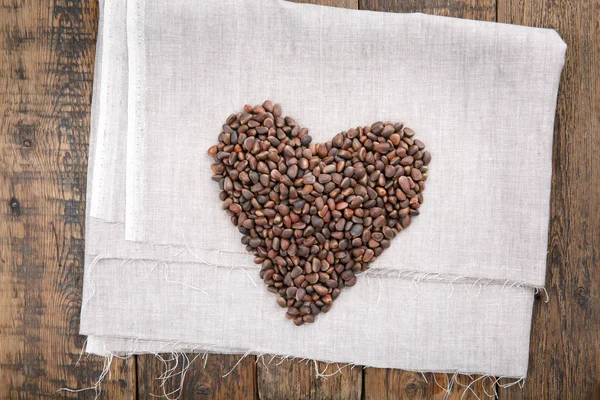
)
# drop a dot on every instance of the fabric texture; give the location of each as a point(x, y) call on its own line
point(480, 95)
point(110, 90)
point(164, 266)
point(386, 323)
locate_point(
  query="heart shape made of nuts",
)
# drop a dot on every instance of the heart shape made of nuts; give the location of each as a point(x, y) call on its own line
point(315, 215)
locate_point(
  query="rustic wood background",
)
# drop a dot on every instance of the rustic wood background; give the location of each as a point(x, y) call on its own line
point(46, 68)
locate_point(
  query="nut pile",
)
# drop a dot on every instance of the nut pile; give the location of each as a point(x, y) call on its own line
point(315, 215)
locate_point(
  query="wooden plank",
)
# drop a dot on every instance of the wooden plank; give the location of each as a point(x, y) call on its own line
point(565, 342)
point(297, 379)
point(200, 381)
point(397, 384)
point(293, 379)
point(484, 10)
point(331, 3)
point(464, 387)
point(389, 384)
point(287, 379)
point(46, 67)
point(337, 381)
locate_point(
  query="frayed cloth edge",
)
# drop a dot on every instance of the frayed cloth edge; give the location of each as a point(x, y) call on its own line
point(174, 369)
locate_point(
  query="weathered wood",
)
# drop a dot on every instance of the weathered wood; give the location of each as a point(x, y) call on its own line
point(200, 381)
point(287, 379)
point(292, 379)
point(565, 342)
point(331, 3)
point(464, 387)
point(339, 381)
point(390, 384)
point(484, 10)
point(404, 384)
point(46, 67)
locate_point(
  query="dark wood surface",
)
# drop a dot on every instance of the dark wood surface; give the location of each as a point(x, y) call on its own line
point(46, 68)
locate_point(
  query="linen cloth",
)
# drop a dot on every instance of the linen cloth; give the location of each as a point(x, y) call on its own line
point(110, 89)
point(136, 292)
point(480, 95)
point(386, 323)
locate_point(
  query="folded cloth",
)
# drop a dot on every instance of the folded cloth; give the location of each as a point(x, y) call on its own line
point(385, 322)
point(453, 81)
point(110, 124)
point(480, 95)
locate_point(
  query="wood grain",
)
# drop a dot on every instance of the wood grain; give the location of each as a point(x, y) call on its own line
point(46, 68)
point(389, 384)
point(484, 10)
point(200, 382)
point(297, 379)
point(565, 342)
point(338, 381)
point(331, 3)
point(291, 379)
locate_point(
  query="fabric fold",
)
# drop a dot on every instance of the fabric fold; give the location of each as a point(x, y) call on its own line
point(111, 92)
point(386, 323)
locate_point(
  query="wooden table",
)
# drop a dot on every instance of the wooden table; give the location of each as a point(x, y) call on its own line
point(46, 68)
